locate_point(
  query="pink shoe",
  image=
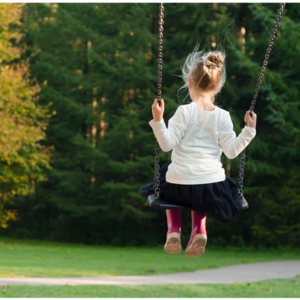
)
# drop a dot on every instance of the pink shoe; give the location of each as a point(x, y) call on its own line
point(198, 239)
point(173, 243)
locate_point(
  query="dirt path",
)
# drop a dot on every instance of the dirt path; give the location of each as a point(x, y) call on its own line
point(240, 273)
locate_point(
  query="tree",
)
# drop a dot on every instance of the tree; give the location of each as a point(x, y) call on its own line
point(92, 71)
point(97, 64)
point(22, 121)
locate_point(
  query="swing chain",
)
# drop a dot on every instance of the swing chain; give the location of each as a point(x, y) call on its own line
point(159, 94)
point(255, 96)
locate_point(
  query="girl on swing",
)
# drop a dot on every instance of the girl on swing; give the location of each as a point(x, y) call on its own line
point(198, 133)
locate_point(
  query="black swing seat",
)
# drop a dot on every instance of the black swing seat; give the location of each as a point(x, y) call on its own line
point(162, 204)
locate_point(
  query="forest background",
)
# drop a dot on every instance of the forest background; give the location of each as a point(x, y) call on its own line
point(77, 83)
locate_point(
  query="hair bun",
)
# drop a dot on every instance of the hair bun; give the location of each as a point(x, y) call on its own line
point(216, 59)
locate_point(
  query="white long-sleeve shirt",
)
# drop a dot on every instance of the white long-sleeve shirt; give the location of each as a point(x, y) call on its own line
point(197, 138)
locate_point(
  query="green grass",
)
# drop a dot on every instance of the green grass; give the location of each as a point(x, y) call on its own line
point(279, 288)
point(50, 259)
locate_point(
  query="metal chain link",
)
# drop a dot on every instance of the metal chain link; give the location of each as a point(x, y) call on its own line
point(255, 96)
point(159, 94)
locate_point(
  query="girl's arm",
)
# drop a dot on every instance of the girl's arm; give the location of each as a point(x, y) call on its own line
point(169, 137)
point(232, 145)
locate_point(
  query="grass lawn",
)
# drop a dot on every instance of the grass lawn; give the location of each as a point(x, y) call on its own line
point(49, 259)
point(279, 288)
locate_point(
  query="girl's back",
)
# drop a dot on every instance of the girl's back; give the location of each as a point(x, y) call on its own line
point(198, 137)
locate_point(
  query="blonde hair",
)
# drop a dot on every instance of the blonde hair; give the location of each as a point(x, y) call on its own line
point(205, 69)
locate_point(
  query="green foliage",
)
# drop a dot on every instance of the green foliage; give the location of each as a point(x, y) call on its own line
point(271, 170)
point(97, 64)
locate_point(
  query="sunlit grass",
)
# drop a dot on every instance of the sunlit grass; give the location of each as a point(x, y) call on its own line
point(279, 288)
point(49, 259)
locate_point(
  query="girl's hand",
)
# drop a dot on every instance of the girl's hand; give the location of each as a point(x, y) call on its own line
point(158, 111)
point(250, 121)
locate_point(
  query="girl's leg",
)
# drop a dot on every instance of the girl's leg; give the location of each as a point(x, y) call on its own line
point(198, 239)
point(173, 243)
point(174, 220)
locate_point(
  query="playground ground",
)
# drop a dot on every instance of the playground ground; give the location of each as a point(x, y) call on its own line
point(229, 272)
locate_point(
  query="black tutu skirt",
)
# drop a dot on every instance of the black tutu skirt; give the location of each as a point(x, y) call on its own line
point(219, 199)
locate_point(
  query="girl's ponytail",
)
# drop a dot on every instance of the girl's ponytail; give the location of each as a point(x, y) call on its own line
point(205, 69)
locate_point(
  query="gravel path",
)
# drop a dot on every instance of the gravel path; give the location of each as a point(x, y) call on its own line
point(240, 273)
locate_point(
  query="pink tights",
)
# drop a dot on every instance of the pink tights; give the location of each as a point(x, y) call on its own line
point(198, 226)
point(174, 223)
